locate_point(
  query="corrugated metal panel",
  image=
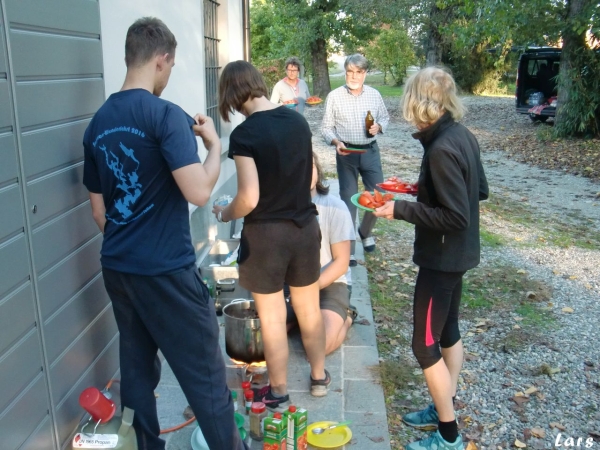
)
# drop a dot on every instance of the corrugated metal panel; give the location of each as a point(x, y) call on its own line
point(64, 327)
point(55, 101)
point(24, 416)
point(14, 265)
point(52, 148)
point(69, 15)
point(8, 159)
point(11, 219)
point(72, 365)
point(41, 439)
point(69, 411)
point(63, 281)
point(5, 114)
point(56, 194)
point(55, 240)
point(37, 54)
point(17, 372)
point(17, 317)
point(3, 70)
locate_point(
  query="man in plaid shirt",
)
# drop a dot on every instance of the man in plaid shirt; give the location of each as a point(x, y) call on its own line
point(344, 127)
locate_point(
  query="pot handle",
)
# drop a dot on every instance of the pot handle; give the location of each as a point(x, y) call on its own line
point(238, 300)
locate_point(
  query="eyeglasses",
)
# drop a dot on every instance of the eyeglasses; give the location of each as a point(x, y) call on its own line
point(291, 70)
point(358, 73)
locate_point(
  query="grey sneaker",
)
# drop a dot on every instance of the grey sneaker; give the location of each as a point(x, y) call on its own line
point(318, 388)
point(436, 442)
point(426, 419)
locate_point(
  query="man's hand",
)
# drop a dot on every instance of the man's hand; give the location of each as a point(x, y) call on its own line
point(375, 129)
point(205, 128)
point(386, 211)
point(339, 148)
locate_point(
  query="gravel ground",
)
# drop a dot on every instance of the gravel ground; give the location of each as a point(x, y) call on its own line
point(551, 386)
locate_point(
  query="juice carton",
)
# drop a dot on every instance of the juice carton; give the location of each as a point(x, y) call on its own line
point(275, 433)
point(297, 423)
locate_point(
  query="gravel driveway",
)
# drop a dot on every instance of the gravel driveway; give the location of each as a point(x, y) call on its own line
point(566, 399)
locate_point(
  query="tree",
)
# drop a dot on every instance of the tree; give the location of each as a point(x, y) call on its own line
point(541, 22)
point(392, 52)
point(310, 29)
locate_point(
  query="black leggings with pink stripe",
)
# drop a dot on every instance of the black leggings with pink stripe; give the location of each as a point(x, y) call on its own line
point(435, 314)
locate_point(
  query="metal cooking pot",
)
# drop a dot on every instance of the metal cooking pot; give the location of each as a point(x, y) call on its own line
point(243, 337)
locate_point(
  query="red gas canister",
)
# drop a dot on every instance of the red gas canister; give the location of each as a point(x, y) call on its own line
point(97, 405)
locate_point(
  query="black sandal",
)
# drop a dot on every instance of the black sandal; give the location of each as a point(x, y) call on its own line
point(353, 313)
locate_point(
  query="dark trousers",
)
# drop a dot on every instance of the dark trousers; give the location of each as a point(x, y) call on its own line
point(172, 313)
point(368, 165)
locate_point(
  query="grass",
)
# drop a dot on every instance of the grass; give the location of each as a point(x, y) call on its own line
point(577, 232)
point(375, 81)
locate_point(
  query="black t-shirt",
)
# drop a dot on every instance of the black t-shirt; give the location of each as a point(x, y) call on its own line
point(131, 146)
point(279, 141)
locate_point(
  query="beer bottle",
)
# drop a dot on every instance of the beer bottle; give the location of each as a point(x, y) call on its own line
point(369, 122)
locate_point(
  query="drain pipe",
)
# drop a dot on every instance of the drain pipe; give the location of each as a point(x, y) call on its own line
point(246, 28)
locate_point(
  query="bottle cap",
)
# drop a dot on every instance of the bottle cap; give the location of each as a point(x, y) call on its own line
point(97, 405)
point(292, 409)
point(258, 407)
point(277, 415)
point(245, 385)
point(248, 395)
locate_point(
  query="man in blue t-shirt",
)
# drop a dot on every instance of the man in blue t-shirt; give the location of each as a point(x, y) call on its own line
point(141, 167)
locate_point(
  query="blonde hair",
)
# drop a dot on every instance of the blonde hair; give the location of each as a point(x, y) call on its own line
point(428, 94)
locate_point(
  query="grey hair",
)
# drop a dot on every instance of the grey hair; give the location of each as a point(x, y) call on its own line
point(357, 60)
point(294, 62)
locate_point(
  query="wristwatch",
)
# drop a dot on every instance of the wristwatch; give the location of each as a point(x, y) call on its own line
point(220, 217)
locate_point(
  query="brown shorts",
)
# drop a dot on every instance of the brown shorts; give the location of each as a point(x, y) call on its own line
point(274, 253)
point(335, 297)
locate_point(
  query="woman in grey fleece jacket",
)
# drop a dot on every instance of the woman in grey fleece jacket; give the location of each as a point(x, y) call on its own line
point(446, 218)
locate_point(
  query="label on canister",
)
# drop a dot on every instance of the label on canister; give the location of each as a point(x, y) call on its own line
point(84, 440)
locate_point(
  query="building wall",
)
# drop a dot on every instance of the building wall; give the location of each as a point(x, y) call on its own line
point(59, 60)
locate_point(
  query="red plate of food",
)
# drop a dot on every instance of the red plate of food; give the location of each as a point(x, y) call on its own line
point(396, 185)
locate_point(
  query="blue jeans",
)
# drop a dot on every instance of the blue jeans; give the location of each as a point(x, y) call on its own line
point(368, 165)
point(172, 313)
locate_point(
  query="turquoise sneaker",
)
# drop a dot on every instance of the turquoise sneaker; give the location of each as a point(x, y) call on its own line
point(426, 419)
point(436, 442)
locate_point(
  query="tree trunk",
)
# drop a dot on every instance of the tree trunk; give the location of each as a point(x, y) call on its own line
point(571, 43)
point(321, 84)
point(434, 46)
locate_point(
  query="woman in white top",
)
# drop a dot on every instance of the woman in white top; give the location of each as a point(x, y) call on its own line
point(291, 87)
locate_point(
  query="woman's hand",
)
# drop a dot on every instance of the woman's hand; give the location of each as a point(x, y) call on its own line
point(386, 211)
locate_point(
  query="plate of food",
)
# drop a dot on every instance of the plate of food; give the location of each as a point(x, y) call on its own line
point(354, 150)
point(396, 185)
point(368, 201)
point(290, 103)
point(314, 100)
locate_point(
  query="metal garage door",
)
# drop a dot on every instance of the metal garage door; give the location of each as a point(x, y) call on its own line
point(57, 333)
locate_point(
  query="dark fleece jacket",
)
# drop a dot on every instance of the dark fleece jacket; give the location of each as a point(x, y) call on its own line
point(446, 213)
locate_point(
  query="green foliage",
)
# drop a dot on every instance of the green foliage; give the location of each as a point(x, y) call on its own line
point(581, 114)
point(391, 52)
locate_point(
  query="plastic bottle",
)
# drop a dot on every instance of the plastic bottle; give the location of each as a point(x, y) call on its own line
point(235, 400)
point(249, 397)
point(258, 412)
point(245, 386)
point(369, 122)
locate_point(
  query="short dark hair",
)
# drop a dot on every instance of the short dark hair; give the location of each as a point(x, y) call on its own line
point(240, 81)
point(292, 60)
point(146, 38)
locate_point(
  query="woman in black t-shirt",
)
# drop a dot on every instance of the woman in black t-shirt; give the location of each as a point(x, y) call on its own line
point(280, 240)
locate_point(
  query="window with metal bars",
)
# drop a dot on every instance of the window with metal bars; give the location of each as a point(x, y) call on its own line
point(211, 61)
